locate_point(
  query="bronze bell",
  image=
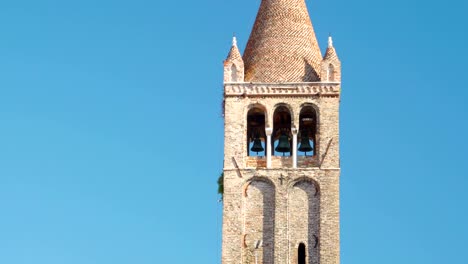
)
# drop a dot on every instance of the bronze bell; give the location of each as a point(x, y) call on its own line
point(283, 145)
point(305, 143)
point(257, 145)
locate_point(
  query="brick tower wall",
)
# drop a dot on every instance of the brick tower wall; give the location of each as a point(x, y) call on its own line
point(282, 206)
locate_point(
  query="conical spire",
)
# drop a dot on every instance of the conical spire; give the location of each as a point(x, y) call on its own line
point(282, 46)
point(234, 53)
point(331, 52)
point(233, 65)
point(331, 65)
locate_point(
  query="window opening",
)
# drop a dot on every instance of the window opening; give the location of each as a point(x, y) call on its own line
point(281, 137)
point(301, 254)
point(331, 73)
point(233, 73)
point(256, 132)
point(307, 132)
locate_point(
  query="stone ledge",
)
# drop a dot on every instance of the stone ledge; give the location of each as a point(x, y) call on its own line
point(299, 89)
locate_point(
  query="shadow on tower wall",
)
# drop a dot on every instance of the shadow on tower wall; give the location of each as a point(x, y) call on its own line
point(310, 74)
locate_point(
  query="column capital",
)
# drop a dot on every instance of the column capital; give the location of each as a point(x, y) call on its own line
point(268, 131)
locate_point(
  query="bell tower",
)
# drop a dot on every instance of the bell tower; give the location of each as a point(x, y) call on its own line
point(281, 150)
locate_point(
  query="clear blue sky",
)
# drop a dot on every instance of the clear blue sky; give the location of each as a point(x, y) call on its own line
point(111, 135)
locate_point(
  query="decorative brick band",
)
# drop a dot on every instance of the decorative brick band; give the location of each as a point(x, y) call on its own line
point(294, 89)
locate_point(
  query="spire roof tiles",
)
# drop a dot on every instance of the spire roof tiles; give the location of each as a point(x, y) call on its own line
point(282, 46)
point(234, 53)
point(331, 52)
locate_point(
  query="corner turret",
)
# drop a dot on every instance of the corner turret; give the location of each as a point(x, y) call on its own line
point(234, 65)
point(331, 65)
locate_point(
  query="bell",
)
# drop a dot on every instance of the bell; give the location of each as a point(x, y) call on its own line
point(305, 144)
point(257, 145)
point(283, 145)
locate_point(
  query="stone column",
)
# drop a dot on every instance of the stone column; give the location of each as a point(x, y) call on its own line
point(294, 147)
point(268, 132)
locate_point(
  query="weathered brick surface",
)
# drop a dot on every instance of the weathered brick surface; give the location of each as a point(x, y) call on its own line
point(281, 162)
point(293, 57)
point(331, 65)
point(236, 109)
point(234, 65)
point(281, 205)
point(300, 214)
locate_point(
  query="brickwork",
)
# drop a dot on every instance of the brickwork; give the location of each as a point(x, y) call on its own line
point(282, 162)
point(268, 199)
point(293, 57)
point(321, 169)
point(300, 215)
point(331, 65)
point(304, 219)
point(234, 65)
point(277, 89)
point(259, 221)
point(236, 109)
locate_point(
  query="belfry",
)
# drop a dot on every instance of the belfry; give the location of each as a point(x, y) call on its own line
point(281, 150)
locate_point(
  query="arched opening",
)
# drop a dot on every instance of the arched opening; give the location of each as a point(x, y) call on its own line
point(256, 132)
point(233, 73)
point(259, 221)
point(307, 132)
point(301, 254)
point(304, 219)
point(331, 73)
point(281, 137)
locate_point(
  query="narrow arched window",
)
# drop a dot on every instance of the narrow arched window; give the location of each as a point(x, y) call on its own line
point(307, 132)
point(281, 137)
point(301, 254)
point(233, 73)
point(331, 73)
point(256, 132)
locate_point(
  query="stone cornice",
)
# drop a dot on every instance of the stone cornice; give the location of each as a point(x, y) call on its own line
point(281, 169)
point(282, 89)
